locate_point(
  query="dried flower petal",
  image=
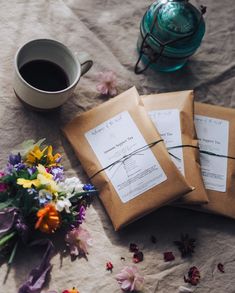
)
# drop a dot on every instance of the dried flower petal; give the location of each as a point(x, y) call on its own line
point(168, 256)
point(193, 276)
point(186, 245)
point(220, 267)
point(138, 256)
point(133, 247)
point(123, 258)
point(109, 266)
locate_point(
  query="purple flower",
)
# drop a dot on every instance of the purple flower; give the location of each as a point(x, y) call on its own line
point(31, 170)
point(81, 215)
point(9, 168)
point(58, 160)
point(19, 166)
point(58, 173)
point(14, 159)
point(14, 163)
point(88, 187)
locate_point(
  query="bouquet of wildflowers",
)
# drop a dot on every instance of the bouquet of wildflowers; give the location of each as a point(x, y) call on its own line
point(35, 196)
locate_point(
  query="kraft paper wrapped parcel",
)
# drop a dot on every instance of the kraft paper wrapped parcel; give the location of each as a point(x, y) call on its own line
point(215, 126)
point(173, 115)
point(125, 158)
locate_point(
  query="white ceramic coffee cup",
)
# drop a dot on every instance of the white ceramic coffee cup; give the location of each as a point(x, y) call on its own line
point(54, 51)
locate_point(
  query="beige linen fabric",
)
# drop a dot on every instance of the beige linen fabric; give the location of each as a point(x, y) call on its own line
point(108, 30)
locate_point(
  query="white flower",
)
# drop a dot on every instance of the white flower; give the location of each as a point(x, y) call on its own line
point(70, 186)
point(63, 203)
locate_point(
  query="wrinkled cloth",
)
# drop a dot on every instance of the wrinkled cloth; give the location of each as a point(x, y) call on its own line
point(108, 31)
point(38, 275)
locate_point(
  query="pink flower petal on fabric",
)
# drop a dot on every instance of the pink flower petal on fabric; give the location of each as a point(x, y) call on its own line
point(107, 83)
point(78, 240)
point(130, 279)
point(102, 88)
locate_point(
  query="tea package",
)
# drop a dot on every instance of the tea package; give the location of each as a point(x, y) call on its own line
point(125, 158)
point(172, 114)
point(215, 128)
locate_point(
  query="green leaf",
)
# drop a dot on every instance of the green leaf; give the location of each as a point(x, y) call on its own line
point(6, 238)
point(6, 204)
point(13, 254)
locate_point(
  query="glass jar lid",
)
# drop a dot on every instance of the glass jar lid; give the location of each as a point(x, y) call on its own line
point(176, 23)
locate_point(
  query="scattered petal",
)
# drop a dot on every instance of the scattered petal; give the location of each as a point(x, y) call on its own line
point(193, 276)
point(109, 266)
point(123, 258)
point(133, 247)
point(130, 279)
point(186, 245)
point(168, 256)
point(220, 267)
point(138, 256)
point(107, 83)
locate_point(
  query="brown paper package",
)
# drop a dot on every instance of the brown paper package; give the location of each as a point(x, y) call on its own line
point(222, 202)
point(123, 213)
point(184, 102)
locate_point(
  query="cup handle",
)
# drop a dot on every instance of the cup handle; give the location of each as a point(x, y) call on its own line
point(85, 61)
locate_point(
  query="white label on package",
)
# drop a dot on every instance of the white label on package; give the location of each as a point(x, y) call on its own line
point(117, 143)
point(213, 137)
point(167, 123)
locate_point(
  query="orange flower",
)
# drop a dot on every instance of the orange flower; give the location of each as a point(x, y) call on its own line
point(48, 219)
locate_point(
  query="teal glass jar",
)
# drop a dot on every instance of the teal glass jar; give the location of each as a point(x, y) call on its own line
point(170, 32)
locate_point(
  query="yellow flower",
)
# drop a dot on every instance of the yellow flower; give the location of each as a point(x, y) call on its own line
point(52, 160)
point(28, 183)
point(46, 179)
point(35, 155)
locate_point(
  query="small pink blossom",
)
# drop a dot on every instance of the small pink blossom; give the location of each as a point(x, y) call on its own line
point(130, 279)
point(78, 240)
point(107, 83)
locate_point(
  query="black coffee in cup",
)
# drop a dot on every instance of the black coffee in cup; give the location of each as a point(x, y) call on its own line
point(44, 75)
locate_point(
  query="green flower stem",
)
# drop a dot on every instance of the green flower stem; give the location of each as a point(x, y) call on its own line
point(12, 254)
point(6, 238)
